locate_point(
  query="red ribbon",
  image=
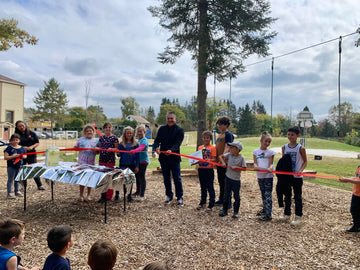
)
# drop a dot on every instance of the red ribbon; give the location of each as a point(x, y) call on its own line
point(181, 155)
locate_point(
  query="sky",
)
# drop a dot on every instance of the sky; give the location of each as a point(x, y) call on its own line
point(113, 45)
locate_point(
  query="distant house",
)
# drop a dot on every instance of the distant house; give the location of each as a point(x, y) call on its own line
point(11, 105)
point(140, 120)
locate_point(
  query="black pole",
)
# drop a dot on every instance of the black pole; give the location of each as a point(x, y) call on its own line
point(272, 87)
point(25, 185)
point(52, 190)
point(124, 197)
point(105, 204)
point(339, 130)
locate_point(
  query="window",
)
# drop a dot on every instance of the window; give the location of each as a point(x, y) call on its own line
point(10, 117)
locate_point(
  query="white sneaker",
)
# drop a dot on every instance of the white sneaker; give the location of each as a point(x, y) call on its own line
point(284, 217)
point(18, 193)
point(297, 221)
point(11, 195)
point(140, 199)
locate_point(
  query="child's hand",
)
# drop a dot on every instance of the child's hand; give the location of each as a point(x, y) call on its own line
point(343, 180)
point(223, 164)
point(268, 170)
point(132, 152)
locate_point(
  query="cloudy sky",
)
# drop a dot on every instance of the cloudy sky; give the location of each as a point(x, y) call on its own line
point(114, 45)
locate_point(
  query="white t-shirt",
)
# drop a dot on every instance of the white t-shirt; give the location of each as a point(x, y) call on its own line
point(297, 160)
point(263, 161)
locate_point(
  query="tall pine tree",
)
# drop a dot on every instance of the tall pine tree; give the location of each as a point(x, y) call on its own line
point(219, 34)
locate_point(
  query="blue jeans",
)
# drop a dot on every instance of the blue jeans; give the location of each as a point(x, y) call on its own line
point(172, 167)
point(12, 172)
point(206, 179)
point(266, 187)
point(232, 186)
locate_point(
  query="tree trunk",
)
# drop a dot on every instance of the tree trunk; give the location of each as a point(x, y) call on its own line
point(202, 70)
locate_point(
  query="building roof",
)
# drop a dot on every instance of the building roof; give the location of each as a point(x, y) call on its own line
point(139, 119)
point(8, 80)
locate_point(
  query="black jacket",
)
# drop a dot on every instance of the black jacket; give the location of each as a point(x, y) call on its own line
point(284, 164)
point(169, 138)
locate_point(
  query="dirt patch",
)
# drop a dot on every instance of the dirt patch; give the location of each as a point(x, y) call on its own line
point(187, 238)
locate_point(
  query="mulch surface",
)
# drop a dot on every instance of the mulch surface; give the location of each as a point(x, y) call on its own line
point(185, 237)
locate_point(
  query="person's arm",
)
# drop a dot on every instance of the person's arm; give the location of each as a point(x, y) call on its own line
point(140, 148)
point(353, 180)
point(303, 155)
point(229, 137)
point(8, 157)
point(282, 150)
point(222, 160)
point(256, 167)
point(271, 164)
point(11, 264)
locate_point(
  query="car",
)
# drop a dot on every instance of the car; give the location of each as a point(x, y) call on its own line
point(40, 135)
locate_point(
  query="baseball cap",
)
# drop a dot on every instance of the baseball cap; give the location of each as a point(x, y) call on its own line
point(236, 144)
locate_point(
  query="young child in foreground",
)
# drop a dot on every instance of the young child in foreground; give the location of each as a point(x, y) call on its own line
point(206, 172)
point(102, 255)
point(59, 240)
point(299, 162)
point(10, 154)
point(264, 160)
point(355, 200)
point(236, 161)
point(12, 233)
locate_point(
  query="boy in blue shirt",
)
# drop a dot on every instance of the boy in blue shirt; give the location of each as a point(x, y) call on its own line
point(12, 233)
point(59, 241)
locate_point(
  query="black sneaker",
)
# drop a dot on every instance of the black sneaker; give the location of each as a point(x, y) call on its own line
point(260, 213)
point(117, 198)
point(199, 207)
point(180, 202)
point(265, 218)
point(168, 200)
point(219, 202)
point(235, 215)
point(353, 229)
point(223, 213)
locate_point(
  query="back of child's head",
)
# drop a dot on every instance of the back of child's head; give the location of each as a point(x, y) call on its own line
point(157, 266)
point(265, 135)
point(294, 129)
point(223, 120)
point(87, 127)
point(15, 136)
point(10, 228)
point(102, 255)
point(58, 237)
point(207, 133)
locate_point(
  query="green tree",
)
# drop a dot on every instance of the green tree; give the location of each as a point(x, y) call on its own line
point(258, 107)
point(219, 34)
point(51, 103)
point(95, 115)
point(150, 114)
point(346, 117)
point(246, 123)
point(11, 35)
point(129, 106)
point(327, 129)
point(180, 116)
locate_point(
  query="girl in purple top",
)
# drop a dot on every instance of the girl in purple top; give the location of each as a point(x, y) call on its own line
point(87, 156)
point(107, 141)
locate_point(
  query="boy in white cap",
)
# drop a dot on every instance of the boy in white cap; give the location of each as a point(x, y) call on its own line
point(235, 162)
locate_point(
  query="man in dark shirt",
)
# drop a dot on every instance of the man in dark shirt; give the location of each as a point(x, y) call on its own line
point(169, 138)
